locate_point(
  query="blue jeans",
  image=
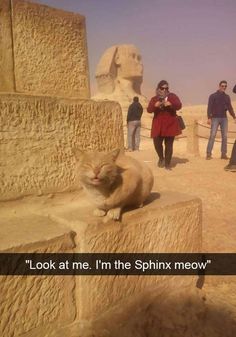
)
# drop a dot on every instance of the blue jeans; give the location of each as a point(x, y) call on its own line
point(133, 138)
point(215, 123)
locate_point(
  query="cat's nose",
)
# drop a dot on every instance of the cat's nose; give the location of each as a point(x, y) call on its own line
point(96, 171)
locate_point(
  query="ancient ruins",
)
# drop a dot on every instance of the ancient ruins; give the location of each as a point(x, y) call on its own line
point(119, 75)
point(46, 111)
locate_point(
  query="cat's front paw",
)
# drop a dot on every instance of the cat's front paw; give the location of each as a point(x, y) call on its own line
point(114, 213)
point(99, 212)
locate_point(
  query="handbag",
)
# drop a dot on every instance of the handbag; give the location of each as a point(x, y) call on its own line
point(181, 122)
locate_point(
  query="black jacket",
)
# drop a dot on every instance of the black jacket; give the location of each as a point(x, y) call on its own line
point(218, 104)
point(135, 112)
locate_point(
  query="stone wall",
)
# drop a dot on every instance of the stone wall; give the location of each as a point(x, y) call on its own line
point(38, 134)
point(169, 224)
point(43, 50)
point(46, 305)
point(31, 304)
point(7, 82)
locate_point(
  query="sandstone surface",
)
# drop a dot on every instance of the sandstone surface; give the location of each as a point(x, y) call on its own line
point(44, 50)
point(119, 75)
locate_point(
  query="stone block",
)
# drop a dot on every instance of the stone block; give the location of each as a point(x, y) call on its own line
point(169, 224)
point(192, 138)
point(48, 48)
point(35, 304)
point(7, 82)
point(38, 135)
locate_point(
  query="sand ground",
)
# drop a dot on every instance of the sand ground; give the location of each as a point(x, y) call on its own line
point(205, 179)
point(197, 176)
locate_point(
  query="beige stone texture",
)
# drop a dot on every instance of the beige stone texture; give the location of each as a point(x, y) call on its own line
point(158, 227)
point(48, 48)
point(169, 223)
point(178, 313)
point(7, 82)
point(38, 135)
point(182, 313)
point(192, 139)
point(119, 75)
point(31, 304)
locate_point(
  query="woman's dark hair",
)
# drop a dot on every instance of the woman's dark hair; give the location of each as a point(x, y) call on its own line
point(161, 83)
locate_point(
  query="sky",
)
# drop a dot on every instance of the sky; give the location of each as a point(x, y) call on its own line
point(189, 43)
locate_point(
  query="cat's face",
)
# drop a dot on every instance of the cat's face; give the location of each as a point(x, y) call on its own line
point(97, 168)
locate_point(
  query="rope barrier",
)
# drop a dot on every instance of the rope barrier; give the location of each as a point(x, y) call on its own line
point(207, 127)
point(216, 140)
point(187, 125)
point(183, 136)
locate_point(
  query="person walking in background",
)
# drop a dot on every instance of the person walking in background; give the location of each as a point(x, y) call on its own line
point(218, 104)
point(232, 162)
point(165, 124)
point(234, 89)
point(134, 115)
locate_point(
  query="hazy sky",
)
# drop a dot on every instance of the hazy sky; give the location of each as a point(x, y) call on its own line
point(191, 44)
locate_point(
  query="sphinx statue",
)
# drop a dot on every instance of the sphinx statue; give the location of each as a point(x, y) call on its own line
point(119, 75)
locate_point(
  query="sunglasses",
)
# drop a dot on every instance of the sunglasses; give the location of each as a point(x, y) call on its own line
point(164, 88)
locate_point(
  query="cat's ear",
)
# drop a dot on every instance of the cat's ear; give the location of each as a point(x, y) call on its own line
point(79, 154)
point(114, 154)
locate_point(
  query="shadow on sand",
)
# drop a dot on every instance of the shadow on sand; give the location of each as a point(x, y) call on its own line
point(176, 161)
point(169, 314)
point(153, 196)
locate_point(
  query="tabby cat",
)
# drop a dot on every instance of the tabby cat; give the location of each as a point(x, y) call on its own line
point(113, 181)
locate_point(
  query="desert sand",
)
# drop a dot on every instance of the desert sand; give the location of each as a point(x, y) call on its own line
point(207, 180)
point(204, 179)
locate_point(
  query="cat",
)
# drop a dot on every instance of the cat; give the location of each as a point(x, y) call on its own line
point(113, 181)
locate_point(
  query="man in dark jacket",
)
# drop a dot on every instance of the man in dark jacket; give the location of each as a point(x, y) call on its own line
point(232, 163)
point(134, 124)
point(219, 103)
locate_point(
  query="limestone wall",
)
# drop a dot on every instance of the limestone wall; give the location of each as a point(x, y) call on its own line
point(37, 135)
point(7, 82)
point(46, 305)
point(171, 223)
point(163, 226)
point(43, 50)
point(30, 304)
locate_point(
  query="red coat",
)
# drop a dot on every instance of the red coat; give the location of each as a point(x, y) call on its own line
point(165, 122)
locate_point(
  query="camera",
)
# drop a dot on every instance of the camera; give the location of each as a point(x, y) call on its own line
point(162, 100)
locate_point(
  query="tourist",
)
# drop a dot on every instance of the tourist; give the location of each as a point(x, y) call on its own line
point(232, 163)
point(234, 89)
point(165, 124)
point(134, 115)
point(218, 104)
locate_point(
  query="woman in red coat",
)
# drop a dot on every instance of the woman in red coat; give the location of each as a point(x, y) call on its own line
point(165, 124)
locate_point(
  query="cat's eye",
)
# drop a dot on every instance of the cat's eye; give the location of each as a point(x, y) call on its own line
point(103, 165)
point(87, 166)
